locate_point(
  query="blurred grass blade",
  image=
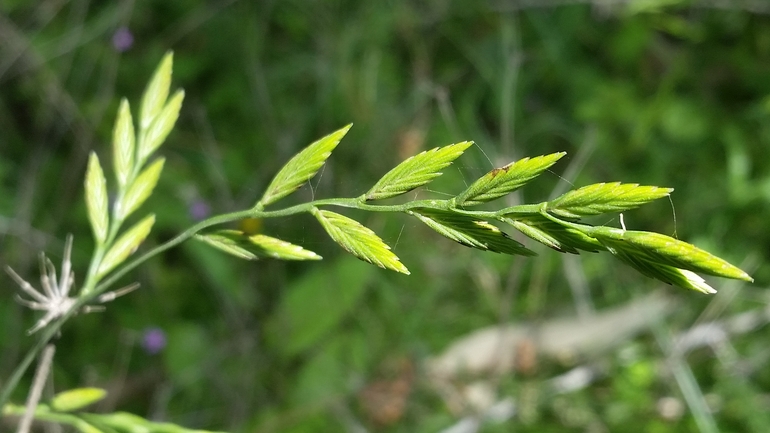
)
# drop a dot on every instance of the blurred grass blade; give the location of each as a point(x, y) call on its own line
point(75, 399)
point(44, 412)
point(239, 244)
point(658, 248)
point(161, 126)
point(471, 232)
point(416, 171)
point(85, 427)
point(126, 245)
point(302, 167)
point(96, 199)
point(156, 93)
point(359, 240)
point(140, 190)
point(128, 422)
point(603, 198)
point(123, 148)
point(504, 180)
point(314, 305)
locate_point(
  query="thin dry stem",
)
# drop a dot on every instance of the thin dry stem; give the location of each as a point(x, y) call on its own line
point(46, 358)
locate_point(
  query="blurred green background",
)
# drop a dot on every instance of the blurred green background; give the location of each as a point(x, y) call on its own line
point(661, 92)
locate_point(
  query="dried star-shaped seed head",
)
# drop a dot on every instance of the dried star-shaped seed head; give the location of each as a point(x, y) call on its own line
point(54, 299)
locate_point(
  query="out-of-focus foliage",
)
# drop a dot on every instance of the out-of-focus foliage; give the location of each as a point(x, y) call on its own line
point(668, 93)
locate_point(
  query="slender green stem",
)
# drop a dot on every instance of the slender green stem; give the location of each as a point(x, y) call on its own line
point(256, 212)
point(187, 234)
point(585, 229)
point(96, 259)
point(54, 328)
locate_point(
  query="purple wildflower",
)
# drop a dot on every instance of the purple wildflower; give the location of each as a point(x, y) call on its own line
point(199, 210)
point(122, 39)
point(153, 340)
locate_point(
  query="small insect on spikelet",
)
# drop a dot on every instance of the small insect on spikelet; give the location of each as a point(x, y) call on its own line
point(54, 299)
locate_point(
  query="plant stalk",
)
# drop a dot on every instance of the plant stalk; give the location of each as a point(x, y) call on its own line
point(256, 212)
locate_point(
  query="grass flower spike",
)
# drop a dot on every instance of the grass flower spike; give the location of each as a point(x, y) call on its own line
point(54, 299)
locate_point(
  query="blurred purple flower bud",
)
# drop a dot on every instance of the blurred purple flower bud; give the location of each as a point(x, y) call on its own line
point(122, 39)
point(153, 340)
point(199, 210)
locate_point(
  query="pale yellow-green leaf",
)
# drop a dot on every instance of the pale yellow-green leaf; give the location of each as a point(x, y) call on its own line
point(96, 199)
point(301, 167)
point(416, 171)
point(140, 190)
point(658, 248)
point(126, 245)
point(605, 198)
point(280, 249)
point(161, 126)
point(695, 282)
point(123, 148)
point(253, 247)
point(359, 240)
point(154, 98)
point(75, 399)
point(504, 180)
